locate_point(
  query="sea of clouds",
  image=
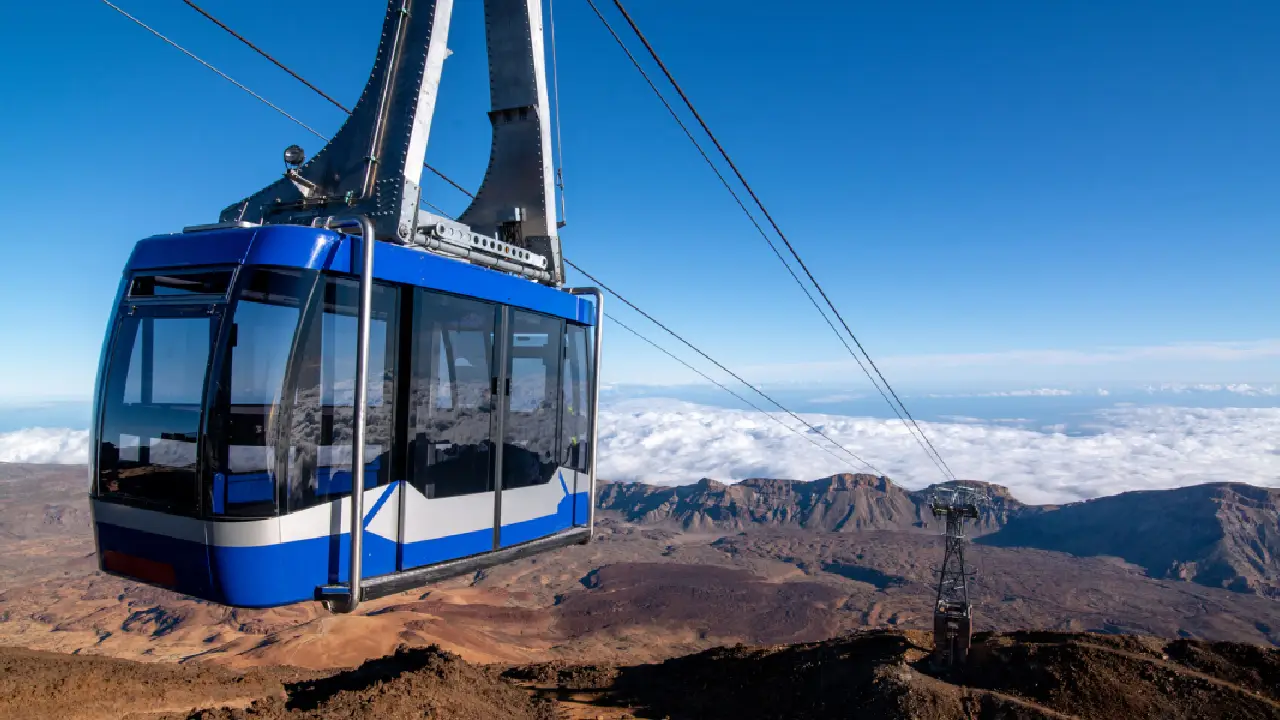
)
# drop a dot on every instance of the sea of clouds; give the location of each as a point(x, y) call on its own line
point(1132, 448)
point(44, 445)
point(675, 442)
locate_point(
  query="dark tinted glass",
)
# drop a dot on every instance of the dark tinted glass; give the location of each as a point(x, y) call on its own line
point(151, 417)
point(322, 409)
point(212, 282)
point(450, 411)
point(289, 388)
point(529, 447)
point(575, 425)
point(252, 454)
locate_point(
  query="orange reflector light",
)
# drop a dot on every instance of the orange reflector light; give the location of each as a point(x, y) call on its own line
point(147, 570)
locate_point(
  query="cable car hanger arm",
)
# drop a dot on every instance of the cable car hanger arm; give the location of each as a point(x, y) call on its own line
point(373, 164)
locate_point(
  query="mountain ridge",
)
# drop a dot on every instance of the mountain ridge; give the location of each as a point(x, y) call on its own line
point(843, 502)
point(1223, 535)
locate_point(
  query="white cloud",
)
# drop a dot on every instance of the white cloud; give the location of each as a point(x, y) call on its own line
point(669, 441)
point(45, 445)
point(1235, 388)
point(1135, 448)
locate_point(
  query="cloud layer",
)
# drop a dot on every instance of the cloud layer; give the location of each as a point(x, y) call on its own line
point(1236, 388)
point(673, 442)
point(44, 445)
point(1133, 449)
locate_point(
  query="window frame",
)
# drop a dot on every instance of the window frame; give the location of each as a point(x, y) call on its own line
point(587, 391)
point(215, 312)
point(129, 297)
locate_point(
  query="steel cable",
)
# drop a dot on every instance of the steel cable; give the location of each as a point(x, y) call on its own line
point(930, 450)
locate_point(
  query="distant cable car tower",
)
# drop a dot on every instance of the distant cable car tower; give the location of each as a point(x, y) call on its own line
point(952, 614)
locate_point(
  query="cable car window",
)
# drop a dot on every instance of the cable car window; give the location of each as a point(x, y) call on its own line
point(529, 448)
point(260, 340)
point(291, 377)
point(575, 433)
point(322, 413)
point(212, 282)
point(441, 381)
point(450, 411)
point(151, 417)
point(528, 384)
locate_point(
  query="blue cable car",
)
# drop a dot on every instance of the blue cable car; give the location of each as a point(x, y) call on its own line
point(259, 369)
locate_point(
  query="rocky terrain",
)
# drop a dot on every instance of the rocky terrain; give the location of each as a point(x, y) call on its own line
point(1224, 535)
point(874, 674)
point(674, 571)
point(841, 503)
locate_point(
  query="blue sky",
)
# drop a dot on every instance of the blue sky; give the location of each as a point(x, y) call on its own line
point(1002, 192)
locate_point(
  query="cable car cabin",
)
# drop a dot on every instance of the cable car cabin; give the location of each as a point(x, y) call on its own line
point(224, 416)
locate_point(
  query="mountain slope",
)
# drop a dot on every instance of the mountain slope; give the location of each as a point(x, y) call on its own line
point(1220, 534)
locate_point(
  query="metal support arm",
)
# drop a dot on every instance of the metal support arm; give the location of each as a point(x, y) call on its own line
point(373, 165)
point(518, 191)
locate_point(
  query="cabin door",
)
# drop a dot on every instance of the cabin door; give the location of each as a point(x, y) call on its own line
point(535, 499)
point(450, 499)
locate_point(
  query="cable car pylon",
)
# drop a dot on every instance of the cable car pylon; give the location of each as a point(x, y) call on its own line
point(952, 612)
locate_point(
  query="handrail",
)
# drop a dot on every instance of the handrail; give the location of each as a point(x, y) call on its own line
point(359, 402)
point(595, 399)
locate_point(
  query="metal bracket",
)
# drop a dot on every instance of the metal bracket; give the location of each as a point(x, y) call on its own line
point(305, 187)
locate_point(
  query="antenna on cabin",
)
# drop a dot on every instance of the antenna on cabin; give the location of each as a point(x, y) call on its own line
point(952, 614)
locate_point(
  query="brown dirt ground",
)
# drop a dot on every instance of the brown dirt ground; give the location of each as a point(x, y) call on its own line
point(715, 601)
point(875, 674)
point(885, 674)
point(412, 683)
point(36, 684)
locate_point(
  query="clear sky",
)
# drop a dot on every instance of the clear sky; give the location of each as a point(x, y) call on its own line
point(1003, 192)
